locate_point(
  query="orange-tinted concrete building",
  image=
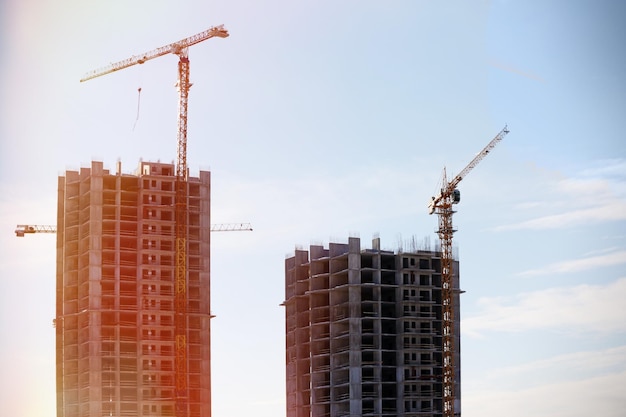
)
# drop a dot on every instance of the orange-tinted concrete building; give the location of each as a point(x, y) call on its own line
point(115, 344)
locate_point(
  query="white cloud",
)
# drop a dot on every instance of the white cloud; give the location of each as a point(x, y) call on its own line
point(607, 168)
point(580, 309)
point(561, 367)
point(608, 212)
point(572, 385)
point(595, 195)
point(594, 396)
point(577, 265)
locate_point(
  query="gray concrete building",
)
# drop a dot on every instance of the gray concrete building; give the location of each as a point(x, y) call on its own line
point(115, 293)
point(364, 332)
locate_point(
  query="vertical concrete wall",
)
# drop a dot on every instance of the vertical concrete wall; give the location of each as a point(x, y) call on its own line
point(58, 321)
point(115, 293)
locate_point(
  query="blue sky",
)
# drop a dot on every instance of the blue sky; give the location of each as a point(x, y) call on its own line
point(323, 120)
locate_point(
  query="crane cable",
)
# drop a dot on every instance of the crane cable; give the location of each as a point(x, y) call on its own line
point(138, 103)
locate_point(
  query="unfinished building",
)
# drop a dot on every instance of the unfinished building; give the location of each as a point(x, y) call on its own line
point(364, 332)
point(115, 344)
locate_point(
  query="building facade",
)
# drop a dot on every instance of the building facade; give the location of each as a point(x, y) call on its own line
point(364, 332)
point(115, 305)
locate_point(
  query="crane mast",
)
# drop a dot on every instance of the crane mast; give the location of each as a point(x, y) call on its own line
point(179, 48)
point(180, 210)
point(442, 205)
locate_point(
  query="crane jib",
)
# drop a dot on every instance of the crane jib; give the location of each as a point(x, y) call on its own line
point(172, 48)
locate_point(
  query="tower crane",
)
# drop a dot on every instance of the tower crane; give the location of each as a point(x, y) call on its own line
point(24, 229)
point(442, 205)
point(179, 48)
